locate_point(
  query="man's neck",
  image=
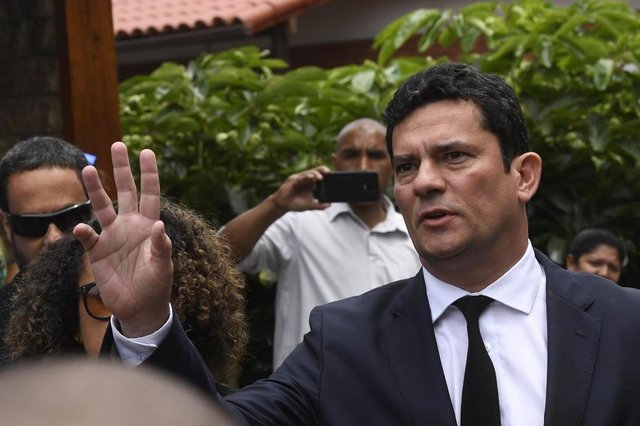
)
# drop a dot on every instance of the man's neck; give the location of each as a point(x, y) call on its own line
point(475, 273)
point(370, 213)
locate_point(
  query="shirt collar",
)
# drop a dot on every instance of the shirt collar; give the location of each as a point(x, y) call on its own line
point(517, 288)
point(393, 222)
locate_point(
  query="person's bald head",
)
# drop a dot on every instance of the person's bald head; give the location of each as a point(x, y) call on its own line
point(99, 393)
point(367, 125)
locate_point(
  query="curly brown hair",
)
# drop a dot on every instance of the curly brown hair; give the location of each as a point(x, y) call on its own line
point(208, 295)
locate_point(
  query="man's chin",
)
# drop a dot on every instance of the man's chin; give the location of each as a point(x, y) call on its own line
point(440, 253)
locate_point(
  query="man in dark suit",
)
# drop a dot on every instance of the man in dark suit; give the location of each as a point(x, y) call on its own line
point(561, 347)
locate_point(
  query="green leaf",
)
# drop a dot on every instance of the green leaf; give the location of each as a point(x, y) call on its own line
point(570, 25)
point(177, 122)
point(169, 70)
point(602, 73)
point(507, 46)
point(469, 39)
point(363, 81)
point(598, 133)
point(480, 25)
point(385, 53)
point(306, 74)
point(388, 33)
point(591, 47)
point(274, 63)
point(413, 21)
point(285, 88)
point(545, 51)
point(432, 29)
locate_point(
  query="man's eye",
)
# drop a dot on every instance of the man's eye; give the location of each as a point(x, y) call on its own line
point(405, 167)
point(456, 156)
point(350, 154)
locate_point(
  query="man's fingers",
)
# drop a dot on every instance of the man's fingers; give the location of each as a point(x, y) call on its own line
point(100, 201)
point(125, 185)
point(323, 170)
point(149, 185)
point(161, 249)
point(86, 235)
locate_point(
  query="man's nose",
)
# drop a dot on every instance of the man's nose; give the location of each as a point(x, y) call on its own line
point(364, 163)
point(428, 180)
point(603, 271)
point(53, 233)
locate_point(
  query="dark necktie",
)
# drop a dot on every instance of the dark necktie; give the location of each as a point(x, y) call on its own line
point(480, 405)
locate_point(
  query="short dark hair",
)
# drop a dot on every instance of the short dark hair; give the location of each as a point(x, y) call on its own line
point(498, 103)
point(36, 153)
point(589, 239)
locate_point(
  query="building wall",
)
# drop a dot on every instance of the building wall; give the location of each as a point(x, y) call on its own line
point(350, 20)
point(30, 101)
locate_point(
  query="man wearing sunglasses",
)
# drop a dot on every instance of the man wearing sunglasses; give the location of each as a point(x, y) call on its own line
point(41, 197)
point(41, 194)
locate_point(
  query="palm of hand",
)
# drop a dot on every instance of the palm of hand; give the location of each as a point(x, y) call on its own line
point(122, 260)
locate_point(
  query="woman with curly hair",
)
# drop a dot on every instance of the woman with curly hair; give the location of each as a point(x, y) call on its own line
point(56, 308)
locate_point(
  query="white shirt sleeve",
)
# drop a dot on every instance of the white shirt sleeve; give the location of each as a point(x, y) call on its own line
point(133, 351)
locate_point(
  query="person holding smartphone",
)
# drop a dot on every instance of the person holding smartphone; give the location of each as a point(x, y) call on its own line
point(323, 252)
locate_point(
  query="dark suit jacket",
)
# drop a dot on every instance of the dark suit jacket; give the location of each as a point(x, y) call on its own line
point(373, 360)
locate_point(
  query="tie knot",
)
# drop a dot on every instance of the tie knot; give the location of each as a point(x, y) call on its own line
point(472, 306)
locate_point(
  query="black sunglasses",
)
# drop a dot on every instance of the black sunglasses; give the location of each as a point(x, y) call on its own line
point(35, 225)
point(92, 302)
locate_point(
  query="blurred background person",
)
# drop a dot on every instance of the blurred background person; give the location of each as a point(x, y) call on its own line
point(324, 252)
point(78, 392)
point(599, 252)
point(57, 309)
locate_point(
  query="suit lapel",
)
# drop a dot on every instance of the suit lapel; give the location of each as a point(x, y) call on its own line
point(572, 342)
point(412, 352)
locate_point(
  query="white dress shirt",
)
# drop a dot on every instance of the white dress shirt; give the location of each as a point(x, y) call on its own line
point(321, 256)
point(514, 330)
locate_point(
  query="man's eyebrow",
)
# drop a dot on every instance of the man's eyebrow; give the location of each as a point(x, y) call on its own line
point(403, 158)
point(450, 146)
point(437, 149)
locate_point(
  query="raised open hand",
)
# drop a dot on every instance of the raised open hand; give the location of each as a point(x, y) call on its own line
point(131, 258)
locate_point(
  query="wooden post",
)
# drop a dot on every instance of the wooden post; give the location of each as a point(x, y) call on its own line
point(89, 79)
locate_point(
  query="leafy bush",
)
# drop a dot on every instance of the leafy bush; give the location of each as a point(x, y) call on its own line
point(228, 128)
point(577, 72)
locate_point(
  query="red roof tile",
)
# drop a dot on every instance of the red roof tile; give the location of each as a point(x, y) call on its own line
point(138, 18)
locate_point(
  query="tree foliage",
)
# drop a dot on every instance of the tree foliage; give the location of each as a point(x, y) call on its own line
point(576, 71)
point(228, 128)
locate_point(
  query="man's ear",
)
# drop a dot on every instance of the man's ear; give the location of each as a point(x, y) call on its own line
point(571, 264)
point(334, 156)
point(528, 170)
point(6, 226)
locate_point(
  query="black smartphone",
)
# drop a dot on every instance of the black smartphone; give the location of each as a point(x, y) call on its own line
point(348, 187)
